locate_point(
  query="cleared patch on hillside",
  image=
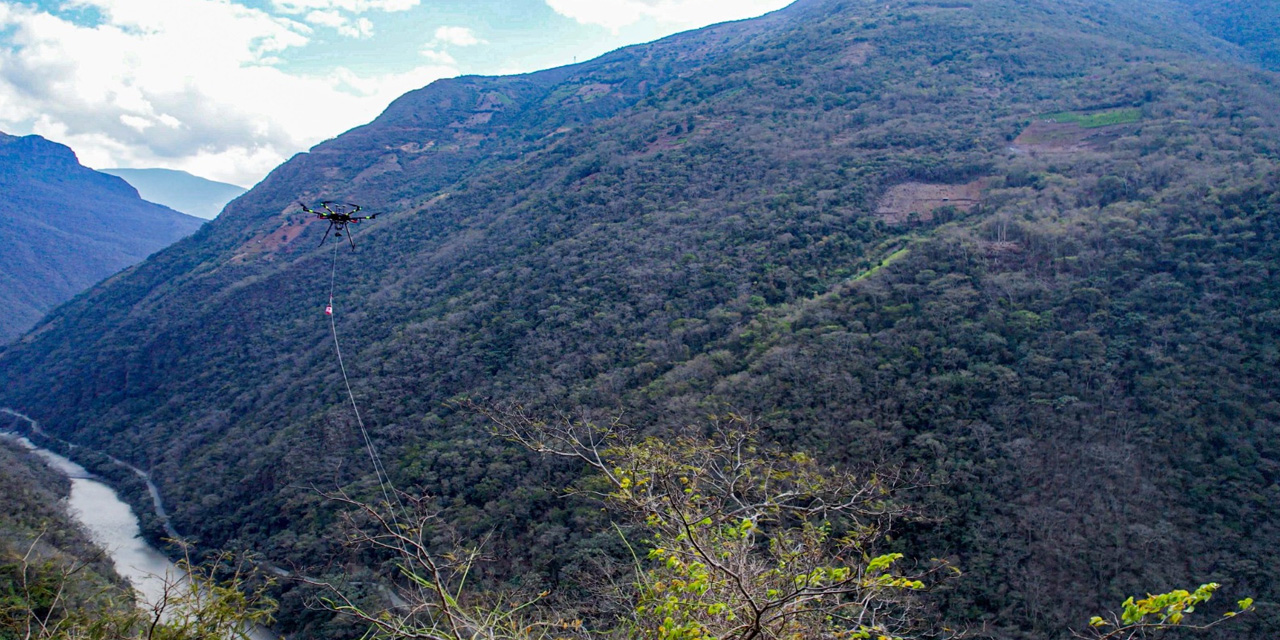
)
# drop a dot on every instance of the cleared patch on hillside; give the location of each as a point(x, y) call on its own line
point(856, 54)
point(273, 242)
point(1073, 132)
point(493, 101)
point(570, 94)
point(594, 90)
point(416, 147)
point(477, 119)
point(939, 6)
point(899, 203)
point(1095, 119)
point(388, 163)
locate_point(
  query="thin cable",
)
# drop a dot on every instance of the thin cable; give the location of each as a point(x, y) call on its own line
point(378, 469)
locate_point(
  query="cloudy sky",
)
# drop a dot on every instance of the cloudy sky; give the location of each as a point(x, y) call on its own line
point(228, 89)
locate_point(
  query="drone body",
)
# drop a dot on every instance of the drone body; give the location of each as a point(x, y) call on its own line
point(339, 215)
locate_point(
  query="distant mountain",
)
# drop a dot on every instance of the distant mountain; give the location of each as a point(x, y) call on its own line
point(65, 226)
point(1028, 250)
point(180, 190)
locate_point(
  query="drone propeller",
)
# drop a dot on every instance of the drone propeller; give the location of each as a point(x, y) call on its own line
point(340, 208)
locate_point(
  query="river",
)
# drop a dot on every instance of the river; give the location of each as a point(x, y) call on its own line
point(113, 526)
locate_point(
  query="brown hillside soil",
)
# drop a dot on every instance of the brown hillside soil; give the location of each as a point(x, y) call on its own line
point(857, 54)
point(272, 242)
point(417, 147)
point(386, 164)
point(493, 102)
point(477, 119)
point(902, 200)
point(595, 90)
point(939, 7)
point(1043, 137)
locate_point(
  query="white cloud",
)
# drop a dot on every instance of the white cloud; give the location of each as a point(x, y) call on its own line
point(390, 86)
point(615, 14)
point(184, 84)
point(326, 18)
point(344, 16)
point(350, 6)
point(136, 123)
point(360, 28)
point(459, 36)
point(344, 25)
point(438, 57)
point(449, 36)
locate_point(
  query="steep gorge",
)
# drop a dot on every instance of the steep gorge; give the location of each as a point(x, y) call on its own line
point(694, 225)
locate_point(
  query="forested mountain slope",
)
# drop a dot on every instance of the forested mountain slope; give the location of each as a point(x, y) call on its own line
point(1026, 248)
point(1255, 26)
point(65, 227)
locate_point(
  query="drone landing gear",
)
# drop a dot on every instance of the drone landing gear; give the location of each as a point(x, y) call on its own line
point(337, 229)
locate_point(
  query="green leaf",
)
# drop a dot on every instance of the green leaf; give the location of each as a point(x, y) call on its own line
point(881, 563)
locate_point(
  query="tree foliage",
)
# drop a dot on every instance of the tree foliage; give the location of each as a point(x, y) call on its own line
point(733, 540)
point(1157, 613)
point(217, 599)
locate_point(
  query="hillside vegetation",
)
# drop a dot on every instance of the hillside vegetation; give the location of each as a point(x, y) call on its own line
point(1079, 360)
point(66, 227)
point(1254, 26)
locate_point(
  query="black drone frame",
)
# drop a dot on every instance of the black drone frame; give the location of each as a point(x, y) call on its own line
point(339, 215)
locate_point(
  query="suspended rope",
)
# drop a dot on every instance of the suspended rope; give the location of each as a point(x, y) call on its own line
point(392, 500)
point(384, 480)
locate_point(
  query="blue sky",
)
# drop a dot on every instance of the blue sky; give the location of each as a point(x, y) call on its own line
point(228, 89)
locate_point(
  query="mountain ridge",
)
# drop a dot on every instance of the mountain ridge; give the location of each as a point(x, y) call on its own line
point(68, 227)
point(671, 231)
point(179, 190)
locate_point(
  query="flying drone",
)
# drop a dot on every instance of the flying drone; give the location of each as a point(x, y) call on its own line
point(339, 215)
